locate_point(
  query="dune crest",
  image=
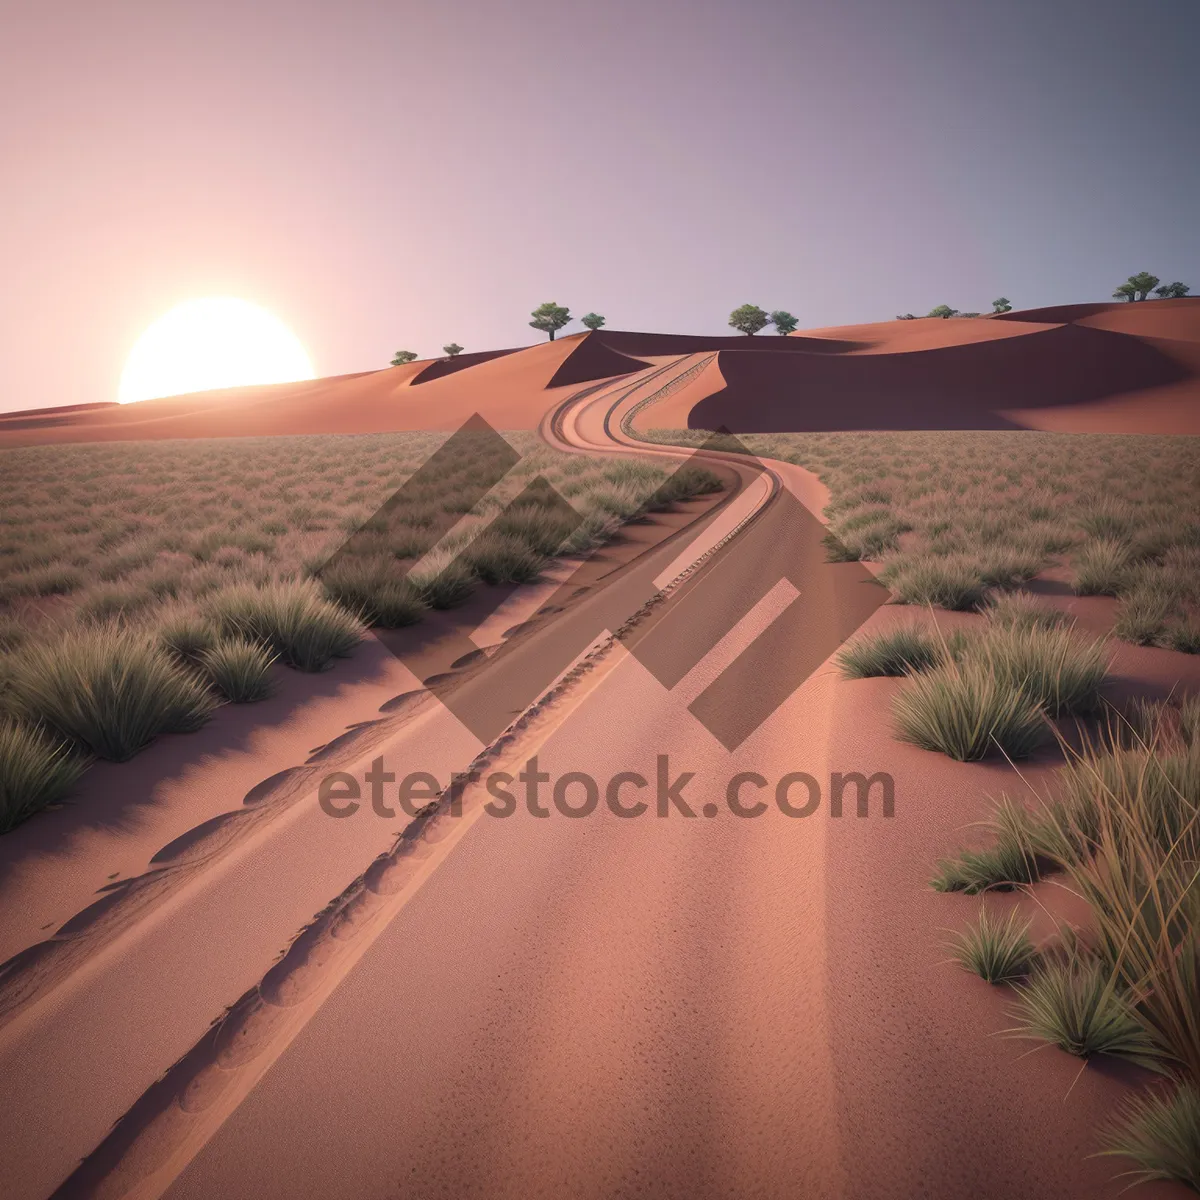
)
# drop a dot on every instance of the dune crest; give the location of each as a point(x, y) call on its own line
point(1109, 367)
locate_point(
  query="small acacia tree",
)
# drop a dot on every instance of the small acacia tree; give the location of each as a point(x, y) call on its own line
point(783, 321)
point(1144, 283)
point(906, 316)
point(749, 319)
point(453, 350)
point(943, 310)
point(592, 320)
point(1001, 305)
point(1172, 291)
point(550, 317)
point(402, 356)
point(1136, 287)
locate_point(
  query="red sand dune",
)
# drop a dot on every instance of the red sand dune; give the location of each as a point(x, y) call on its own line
point(447, 366)
point(1086, 367)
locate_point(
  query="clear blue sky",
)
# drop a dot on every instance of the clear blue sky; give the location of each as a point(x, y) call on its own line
point(387, 175)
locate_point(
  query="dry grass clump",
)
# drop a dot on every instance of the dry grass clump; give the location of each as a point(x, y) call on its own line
point(292, 619)
point(898, 651)
point(962, 710)
point(998, 507)
point(109, 690)
point(203, 561)
point(1160, 1132)
point(1122, 826)
point(994, 691)
point(998, 951)
point(35, 772)
point(239, 670)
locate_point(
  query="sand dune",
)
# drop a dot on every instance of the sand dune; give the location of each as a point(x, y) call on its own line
point(1084, 367)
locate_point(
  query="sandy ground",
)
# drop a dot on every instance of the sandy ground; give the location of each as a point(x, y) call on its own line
point(675, 1006)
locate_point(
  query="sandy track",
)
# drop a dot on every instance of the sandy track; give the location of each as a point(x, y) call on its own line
point(671, 1007)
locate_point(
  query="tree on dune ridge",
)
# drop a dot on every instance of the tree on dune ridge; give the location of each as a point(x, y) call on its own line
point(550, 317)
point(453, 350)
point(749, 319)
point(1172, 291)
point(1144, 283)
point(1001, 305)
point(403, 356)
point(783, 321)
point(1136, 287)
point(592, 320)
point(943, 310)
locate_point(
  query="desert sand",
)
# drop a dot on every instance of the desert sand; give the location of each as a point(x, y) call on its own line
point(525, 1007)
point(1114, 368)
point(529, 1007)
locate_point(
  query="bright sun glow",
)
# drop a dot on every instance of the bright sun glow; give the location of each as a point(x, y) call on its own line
point(216, 342)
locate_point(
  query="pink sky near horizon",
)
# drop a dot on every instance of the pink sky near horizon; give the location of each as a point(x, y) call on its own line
point(393, 175)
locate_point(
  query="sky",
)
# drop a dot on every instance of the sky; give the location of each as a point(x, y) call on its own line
point(386, 175)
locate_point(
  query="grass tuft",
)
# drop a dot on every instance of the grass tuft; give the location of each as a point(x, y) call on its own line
point(293, 619)
point(1101, 566)
point(998, 951)
point(35, 772)
point(1161, 1133)
point(962, 710)
point(1022, 610)
point(899, 651)
point(240, 670)
point(1059, 669)
point(110, 690)
point(1073, 1002)
point(945, 581)
point(374, 588)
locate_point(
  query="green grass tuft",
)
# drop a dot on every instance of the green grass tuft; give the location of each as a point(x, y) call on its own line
point(240, 670)
point(1059, 669)
point(375, 589)
point(35, 772)
point(1022, 610)
point(945, 581)
point(899, 651)
point(962, 710)
point(502, 558)
point(1074, 1002)
point(442, 579)
point(110, 690)
point(293, 619)
point(1101, 567)
point(1160, 1132)
point(998, 951)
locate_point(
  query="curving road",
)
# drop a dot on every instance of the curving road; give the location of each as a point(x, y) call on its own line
point(668, 1004)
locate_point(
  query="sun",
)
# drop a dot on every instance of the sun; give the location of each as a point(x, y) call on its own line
point(215, 342)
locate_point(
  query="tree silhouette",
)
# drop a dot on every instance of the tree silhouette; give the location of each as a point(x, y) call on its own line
point(592, 320)
point(783, 321)
point(1001, 305)
point(453, 350)
point(401, 357)
point(1172, 291)
point(943, 310)
point(749, 319)
point(550, 317)
point(1136, 287)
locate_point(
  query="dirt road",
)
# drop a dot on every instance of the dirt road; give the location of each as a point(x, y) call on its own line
point(714, 996)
